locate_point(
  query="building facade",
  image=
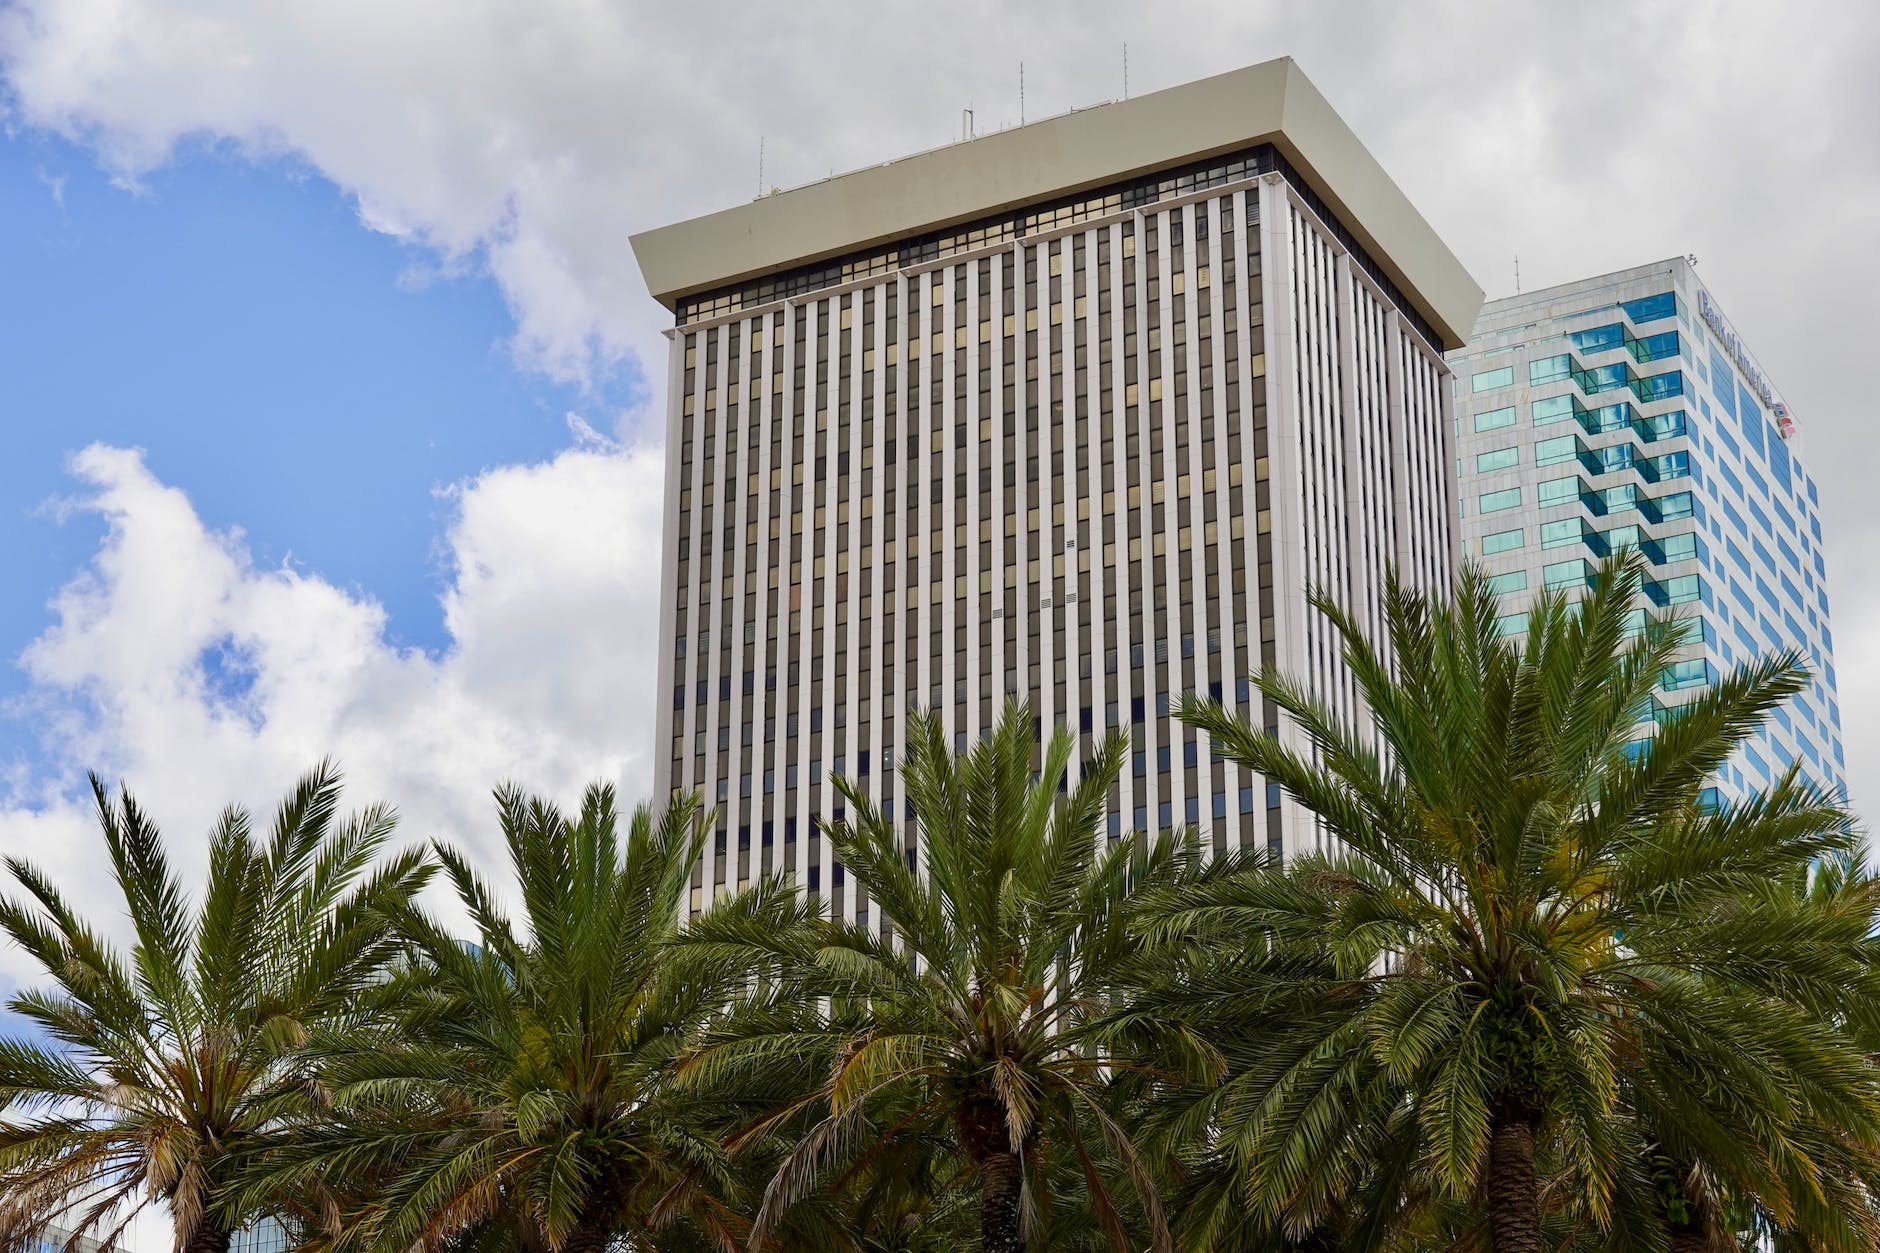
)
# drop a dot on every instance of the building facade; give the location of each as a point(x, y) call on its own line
point(1075, 414)
point(1624, 410)
point(60, 1240)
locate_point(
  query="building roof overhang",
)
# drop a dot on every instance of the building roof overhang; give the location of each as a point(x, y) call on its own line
point(1272, 103)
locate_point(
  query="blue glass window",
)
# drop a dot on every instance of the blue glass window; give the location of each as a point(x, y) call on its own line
point(1613, 458)
point(1495, 502)
point(1651, 308)
point(1512, 624)
point(1664, 426)
point(1622, 537)
point(1678, 547)
point(1553, 451)
point(1607, 417)
point(1494, 419)
point(1751, 420)
point(1694, 672)
point(1603, 377)
point(1487, 380)
point(1677, 591)
point(1552, 409)
point(1671, 465)
point(1513, 581)
point(1566, 573)
point(1547, 369)
point(1560, 534)
point(1655, 347)
point(1676, 505)
point(1502, 542)
point(1553, 491)
point(1497, 459)
point(1597, 338)
point(1778, 456)
point(1722, 381)
point(1659, 386)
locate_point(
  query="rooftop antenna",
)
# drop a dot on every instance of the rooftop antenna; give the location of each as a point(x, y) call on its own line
point(760, 165)
point(1517, 274)
point(966, 122)
point(1021, 93)
point(1125, 71)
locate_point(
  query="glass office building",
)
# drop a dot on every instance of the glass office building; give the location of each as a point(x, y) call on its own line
point(265, 1236)
point(1074, 413)
point(58, 1240)
point(1624, 410)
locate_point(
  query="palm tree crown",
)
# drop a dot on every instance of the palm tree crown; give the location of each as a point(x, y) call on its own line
point(968, 1031)
point(158, 1076)
point(1534, 948)
point(514, 1091)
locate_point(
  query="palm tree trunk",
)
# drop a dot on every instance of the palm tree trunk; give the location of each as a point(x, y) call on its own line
point(207, 1238)
point(1701, 1219)
point(1514, 1197)
point(588, 1236)
point(1001, 1183)
point(585, 1238)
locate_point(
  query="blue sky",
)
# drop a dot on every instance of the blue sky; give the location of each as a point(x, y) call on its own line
point(272, 357)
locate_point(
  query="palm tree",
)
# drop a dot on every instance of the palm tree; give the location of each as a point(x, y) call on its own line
point(516, 1095)
point(962, 1038)
point(155, 1077)
point(1534, 949)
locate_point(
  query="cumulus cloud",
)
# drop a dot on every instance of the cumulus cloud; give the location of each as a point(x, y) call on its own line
point(179, 665)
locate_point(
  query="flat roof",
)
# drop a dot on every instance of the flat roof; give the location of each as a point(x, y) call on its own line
point(1272, 103)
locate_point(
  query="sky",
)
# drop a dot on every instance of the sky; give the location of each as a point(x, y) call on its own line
point(325, 422)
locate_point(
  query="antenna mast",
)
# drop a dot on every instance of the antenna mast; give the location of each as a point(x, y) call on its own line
point(1125, 71)
point(1517, 274)
point(1021, 93)
point(760, 167)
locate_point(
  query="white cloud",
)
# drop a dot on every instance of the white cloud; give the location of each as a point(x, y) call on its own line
point(178, 665)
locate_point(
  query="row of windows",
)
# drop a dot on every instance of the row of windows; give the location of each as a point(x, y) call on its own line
point(1606, 418)
point(1596, 421)
point(1642, 348)
point(1645, 309)
point(1609, 459)
point(1052, 215)
point(1592, 380)
point(1660, 550)
point(1598, 501)
point(1580, 572)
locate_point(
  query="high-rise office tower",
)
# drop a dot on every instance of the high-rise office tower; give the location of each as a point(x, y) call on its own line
point(1625, 410)
point(1074, 413)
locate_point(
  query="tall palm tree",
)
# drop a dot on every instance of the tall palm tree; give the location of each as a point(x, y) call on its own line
point(962, 1037)
point(1530, 922)
point(155, 1077)
point(516, 1095)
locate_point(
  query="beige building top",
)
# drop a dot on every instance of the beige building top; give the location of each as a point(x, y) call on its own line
point(1272, 103)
